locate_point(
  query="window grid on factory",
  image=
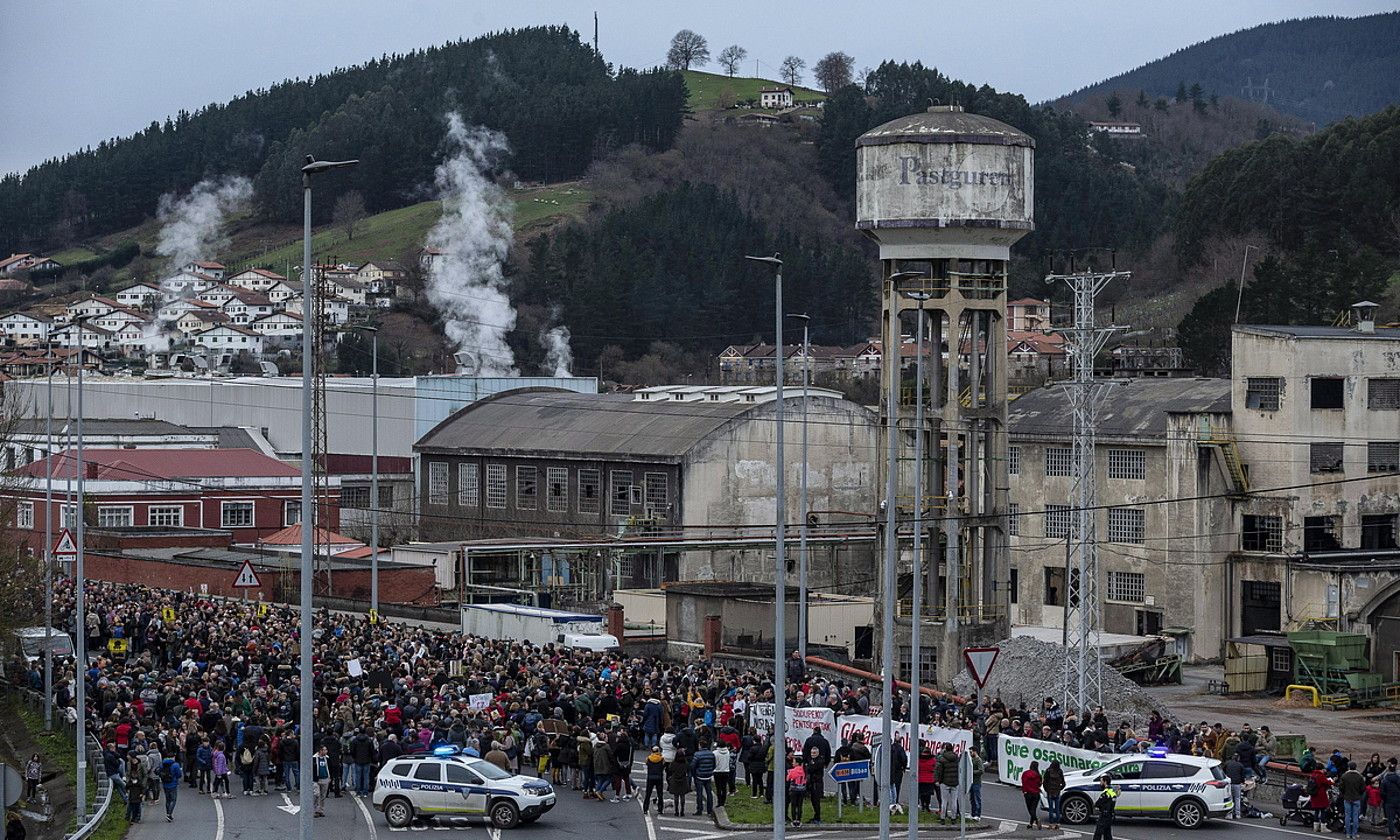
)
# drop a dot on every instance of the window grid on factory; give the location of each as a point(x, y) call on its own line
point(657, 492)
point(527, 487)
point(468, 484)
point(1325, 457)
point(1059, 460)
point(496, 486)
point(1262, 392)
point(166, 516)
point(1127, 463)
point(557, 490)
point(589, 483)
point(354, 498)
point(620, 490)
point(1013, 460)
point(1127, 586)
point(1127, 525)
point(437, 482)
point(1383, 457)
point(1013, 519)
point(1383, 394)
point(1057, 520)
point(1261, 533)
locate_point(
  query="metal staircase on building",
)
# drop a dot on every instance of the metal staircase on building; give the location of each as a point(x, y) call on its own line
point(1224, 443)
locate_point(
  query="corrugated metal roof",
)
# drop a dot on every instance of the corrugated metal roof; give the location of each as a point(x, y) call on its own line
point(1308, 331)
point(151, 464)
point(940, 124)
point(99, 426)
point(1130, 407)
point(564, 422)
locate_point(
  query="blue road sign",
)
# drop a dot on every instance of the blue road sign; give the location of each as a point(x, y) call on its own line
point(850, 771)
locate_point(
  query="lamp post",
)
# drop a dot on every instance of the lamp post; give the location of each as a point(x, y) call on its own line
point(891, 354)
point(79, 585)
point(802, 501)
point(779, 567)
point(48, 548)
point(916, 612)
point(373, 468)
point(308, 524)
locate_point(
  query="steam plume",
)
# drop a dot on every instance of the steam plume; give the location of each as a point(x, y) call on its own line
point(466, 283)
point(559, 357)
point(192, 224)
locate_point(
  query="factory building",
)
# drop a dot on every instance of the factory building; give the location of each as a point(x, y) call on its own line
point(693, 462)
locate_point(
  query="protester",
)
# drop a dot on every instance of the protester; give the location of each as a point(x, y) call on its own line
point(1351, 786)
point(1030, 791)
point(1053, 783)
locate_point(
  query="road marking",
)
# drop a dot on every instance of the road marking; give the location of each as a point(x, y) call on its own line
point(493, 833)
point(288, 806)
point(373, 833)
point(688, 830)
point(218, 821)
point(651, 826)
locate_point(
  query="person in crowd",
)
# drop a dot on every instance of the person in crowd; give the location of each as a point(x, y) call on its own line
point(1319, 783)
point(1053, 783)
point(1390, 798)
point(1104, 807)
point(170, 775)
point(928, 777)
point(946, 774)
point(655, 780)
point(796, 792)
point(1351, 787)
point(1030, 791)
point(678, 784)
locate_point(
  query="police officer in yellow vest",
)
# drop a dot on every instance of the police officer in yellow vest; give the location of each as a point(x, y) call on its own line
point(1107, 801)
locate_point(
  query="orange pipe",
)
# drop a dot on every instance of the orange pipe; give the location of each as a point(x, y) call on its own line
point(856, 672)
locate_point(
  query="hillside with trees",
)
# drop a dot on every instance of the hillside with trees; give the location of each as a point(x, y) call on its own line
point(1320, 69)
point(553, 97)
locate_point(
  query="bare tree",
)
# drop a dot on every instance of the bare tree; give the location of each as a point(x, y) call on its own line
point(791, 70)
point(834, 71)
point(731, 57)
point(688, 48)
point(348, 212)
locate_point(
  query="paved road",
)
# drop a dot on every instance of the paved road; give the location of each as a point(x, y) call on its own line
point(351, 818)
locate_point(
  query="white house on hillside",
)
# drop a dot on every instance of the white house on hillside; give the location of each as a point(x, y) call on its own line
point(775, 97)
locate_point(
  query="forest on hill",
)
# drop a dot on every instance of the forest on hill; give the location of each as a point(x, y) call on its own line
point(1321, 69)
point(552, 96)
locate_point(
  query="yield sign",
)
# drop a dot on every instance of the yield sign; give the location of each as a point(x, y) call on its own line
point(980, 662)
point(247, 578)
point(65, 547)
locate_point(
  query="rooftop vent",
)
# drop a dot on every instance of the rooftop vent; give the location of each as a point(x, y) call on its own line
point(1365, 312)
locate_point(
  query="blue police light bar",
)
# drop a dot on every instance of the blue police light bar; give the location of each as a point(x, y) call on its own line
point(1157, 752)
point(445, 750)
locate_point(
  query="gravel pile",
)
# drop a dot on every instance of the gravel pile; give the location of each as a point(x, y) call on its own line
point(1031, 670)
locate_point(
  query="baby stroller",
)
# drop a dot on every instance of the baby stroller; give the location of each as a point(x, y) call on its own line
point(1248, 810)
point(1295, 807)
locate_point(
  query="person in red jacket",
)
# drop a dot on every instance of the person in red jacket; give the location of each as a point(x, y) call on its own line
point(1030, 789)
point(1318, 800)
point(927, 786)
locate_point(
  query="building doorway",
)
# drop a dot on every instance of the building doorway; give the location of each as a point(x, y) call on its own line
point(1260, 602)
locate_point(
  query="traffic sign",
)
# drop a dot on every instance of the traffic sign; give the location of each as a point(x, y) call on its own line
point(10, 786)
point(980, 662)
point(65, 547)
point(167, 614)
point(849, 771)
point(247, 578)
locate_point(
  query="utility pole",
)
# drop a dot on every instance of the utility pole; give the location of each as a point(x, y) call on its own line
point(48, 548)
point(1083, 665)
point(79, 589)
point(802, 504)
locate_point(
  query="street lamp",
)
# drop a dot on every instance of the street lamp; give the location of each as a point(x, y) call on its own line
point(915, 718)
point(48, 548)
point(308, 524)
point(79, 585)
point(802, 503)
point(779, 567)
point(891, 353)
point(374, 469)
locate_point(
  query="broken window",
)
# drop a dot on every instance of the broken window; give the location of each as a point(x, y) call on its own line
point(1321, 533)
point(1325, 457)
point(1262, 533)
point(1378, 531)
point(526, 487)
point(1327, 391)
point(1263, 393)
point(1382, 457)
point(1383, 394)
point(1055, 586)
point(589, 488)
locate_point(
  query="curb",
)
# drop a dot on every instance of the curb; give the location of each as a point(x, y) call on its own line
point(722, 821)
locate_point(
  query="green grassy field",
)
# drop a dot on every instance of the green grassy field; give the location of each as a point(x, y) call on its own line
point(707, 88)
point(76, 254)
point(744, 810)
point(57, 751)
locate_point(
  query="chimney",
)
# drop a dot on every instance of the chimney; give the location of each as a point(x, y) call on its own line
point(1365, 312)
point(89, 471)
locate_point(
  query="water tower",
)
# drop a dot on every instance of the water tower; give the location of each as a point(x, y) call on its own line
point(946, 193)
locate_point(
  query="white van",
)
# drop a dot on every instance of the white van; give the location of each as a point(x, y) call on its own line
point(29, 643)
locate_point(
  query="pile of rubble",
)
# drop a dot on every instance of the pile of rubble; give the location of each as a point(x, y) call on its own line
point(1030, 670)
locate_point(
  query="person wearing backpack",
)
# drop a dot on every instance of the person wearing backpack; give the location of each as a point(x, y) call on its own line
point(170, 775)
point(247, 762)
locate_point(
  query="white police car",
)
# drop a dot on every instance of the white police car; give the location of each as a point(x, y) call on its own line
point(449, 783)
point(1185, 788)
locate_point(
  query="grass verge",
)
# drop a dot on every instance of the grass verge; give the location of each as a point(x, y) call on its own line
point(744, 810)
point(57, 751)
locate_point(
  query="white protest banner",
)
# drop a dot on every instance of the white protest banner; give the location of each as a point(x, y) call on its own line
point(798, 724)
point(871, 729)
point(1014, 757)
point(353, 667)
point(479, 701)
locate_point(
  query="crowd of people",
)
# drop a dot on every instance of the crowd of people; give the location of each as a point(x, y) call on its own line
point(208, 690)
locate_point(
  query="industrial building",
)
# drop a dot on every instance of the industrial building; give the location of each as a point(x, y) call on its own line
point(945, 194)
point(692, 464)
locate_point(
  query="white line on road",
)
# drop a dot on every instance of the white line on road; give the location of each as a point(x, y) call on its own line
point(493, 832)
point(679, 830)
point(373, 833)
point(218, 820)
point(651, 827)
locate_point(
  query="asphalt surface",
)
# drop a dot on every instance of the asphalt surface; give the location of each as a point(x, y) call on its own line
point(273, 818)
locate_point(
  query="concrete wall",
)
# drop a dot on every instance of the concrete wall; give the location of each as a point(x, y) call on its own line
point(642, 606)
point(729, 480)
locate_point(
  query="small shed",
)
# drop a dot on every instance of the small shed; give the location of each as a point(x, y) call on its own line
point(1261, 662)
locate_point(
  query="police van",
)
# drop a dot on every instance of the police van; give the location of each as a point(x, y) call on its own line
point(450, 783)
point(1187, 789)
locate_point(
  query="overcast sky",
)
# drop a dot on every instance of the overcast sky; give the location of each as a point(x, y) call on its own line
point(73, 72)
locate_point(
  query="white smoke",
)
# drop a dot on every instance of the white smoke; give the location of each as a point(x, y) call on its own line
point(466, 283)
point(559, 356)
point(192, 225)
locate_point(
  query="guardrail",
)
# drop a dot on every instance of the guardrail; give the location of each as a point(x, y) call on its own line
point(102, 799)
